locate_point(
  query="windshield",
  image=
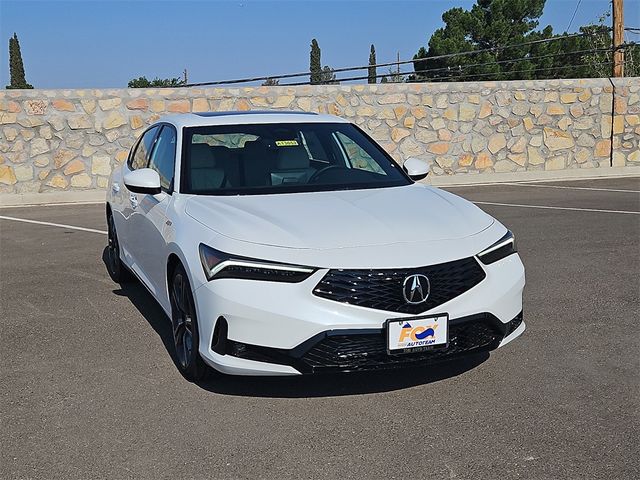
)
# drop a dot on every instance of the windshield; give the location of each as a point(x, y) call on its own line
point(284, 158)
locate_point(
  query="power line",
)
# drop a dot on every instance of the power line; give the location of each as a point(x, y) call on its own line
point(557, 67)
point(461, 67)
point(388, 64)
point(488, 74)
point(574, 14)
point(516, 60)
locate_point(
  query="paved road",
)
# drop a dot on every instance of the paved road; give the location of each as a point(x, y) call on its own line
point(88, 387)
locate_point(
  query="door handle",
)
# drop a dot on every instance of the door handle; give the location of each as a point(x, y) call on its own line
point(133, 199)
point(115, 188)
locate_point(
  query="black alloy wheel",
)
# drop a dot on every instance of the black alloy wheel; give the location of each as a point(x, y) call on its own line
point(185, 327)
point(117, 271)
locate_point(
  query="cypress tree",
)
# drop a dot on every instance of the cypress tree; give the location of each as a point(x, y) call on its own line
point(372, 69)
point(16, 67)
point(314, 63)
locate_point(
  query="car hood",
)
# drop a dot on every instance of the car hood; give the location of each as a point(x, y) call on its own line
point(341, 219)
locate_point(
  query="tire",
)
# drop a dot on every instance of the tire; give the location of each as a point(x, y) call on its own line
point(184, 322)
point(118, 272)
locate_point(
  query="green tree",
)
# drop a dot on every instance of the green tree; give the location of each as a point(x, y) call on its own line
point(393, 77)
point(372, 69)
point(489, 24)
point(271, 82)
point(494, 24)
point(16, 67)
point(143, 82)
point(599, 63)
point(328, 76)
point(315, 63)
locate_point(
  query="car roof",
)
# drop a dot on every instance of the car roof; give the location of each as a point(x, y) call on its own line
point(202, 119)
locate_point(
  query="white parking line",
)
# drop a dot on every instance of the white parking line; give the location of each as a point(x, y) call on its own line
point(522, 184)
point(60, 204)
point(573, 209)
point(517, 205)
point(62, 225)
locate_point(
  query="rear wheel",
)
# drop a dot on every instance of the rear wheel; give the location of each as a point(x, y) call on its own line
point(117, 270)
point(186, 336)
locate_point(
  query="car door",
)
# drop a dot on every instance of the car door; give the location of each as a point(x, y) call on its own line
point(129, 201)
point(150, 223)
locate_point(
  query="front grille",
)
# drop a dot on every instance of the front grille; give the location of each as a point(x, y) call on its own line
point(382, 289)
point(369, 351)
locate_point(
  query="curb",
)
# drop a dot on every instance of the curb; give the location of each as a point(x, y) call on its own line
point(540, 176)
point(52, 198)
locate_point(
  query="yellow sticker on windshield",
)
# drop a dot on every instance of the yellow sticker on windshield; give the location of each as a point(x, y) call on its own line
point(286, 143)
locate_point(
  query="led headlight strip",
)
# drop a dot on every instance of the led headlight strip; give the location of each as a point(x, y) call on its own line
point(499, 250)
point(218, 265)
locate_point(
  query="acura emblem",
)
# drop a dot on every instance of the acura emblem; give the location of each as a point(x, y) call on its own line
point(416, 288)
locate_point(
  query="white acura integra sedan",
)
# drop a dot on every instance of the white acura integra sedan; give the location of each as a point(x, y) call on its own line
point(283, 243)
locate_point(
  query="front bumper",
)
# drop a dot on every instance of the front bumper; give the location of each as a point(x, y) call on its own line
point(363, 350)
point(283, 329)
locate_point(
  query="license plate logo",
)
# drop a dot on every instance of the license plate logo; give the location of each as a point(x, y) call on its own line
point(418, 333)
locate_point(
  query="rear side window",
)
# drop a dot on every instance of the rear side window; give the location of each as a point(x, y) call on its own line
point(164, 156)
point(140, 156)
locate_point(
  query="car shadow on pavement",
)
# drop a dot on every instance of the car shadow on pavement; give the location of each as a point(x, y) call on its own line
point(339, 384)
point(303, 386)
point(149, 308)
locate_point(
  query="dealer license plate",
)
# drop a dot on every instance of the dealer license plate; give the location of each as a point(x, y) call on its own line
point(416, 334)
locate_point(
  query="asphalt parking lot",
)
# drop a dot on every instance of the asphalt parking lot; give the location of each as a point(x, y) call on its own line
point(88, 387)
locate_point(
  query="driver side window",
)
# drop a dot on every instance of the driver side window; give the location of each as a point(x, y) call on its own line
point(140, 156)
point(164, 156)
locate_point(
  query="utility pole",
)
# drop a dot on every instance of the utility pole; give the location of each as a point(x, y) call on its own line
point(618, 38)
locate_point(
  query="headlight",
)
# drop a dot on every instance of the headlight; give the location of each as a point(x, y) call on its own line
point(218, 264)
point(502, 248)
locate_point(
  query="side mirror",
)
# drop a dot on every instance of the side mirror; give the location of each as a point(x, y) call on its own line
point(417, 169)
point(144, 180)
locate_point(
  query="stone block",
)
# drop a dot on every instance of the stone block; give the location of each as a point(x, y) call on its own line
point(7, 175)
point(74, 166)
point(557, 139)
point(38, 146)
point(439, 148)
point(81, 181)
point(23, 172)
point(483, 161)
point(78, 122)
point(114, 120)
point(603, 148)
point(109, 104)
point(58, 181)
point(143, 104)
point(497, 142)
point(35, 107)
point(63, 105)
point(179, 106)
point(555, 163)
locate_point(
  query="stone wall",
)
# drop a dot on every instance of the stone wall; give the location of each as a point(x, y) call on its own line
point(55, 140)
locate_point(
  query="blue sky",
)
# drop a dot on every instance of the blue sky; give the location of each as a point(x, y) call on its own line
point(91, 43)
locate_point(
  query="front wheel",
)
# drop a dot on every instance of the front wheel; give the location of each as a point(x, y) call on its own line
point(117, 270)
point(186, 335)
